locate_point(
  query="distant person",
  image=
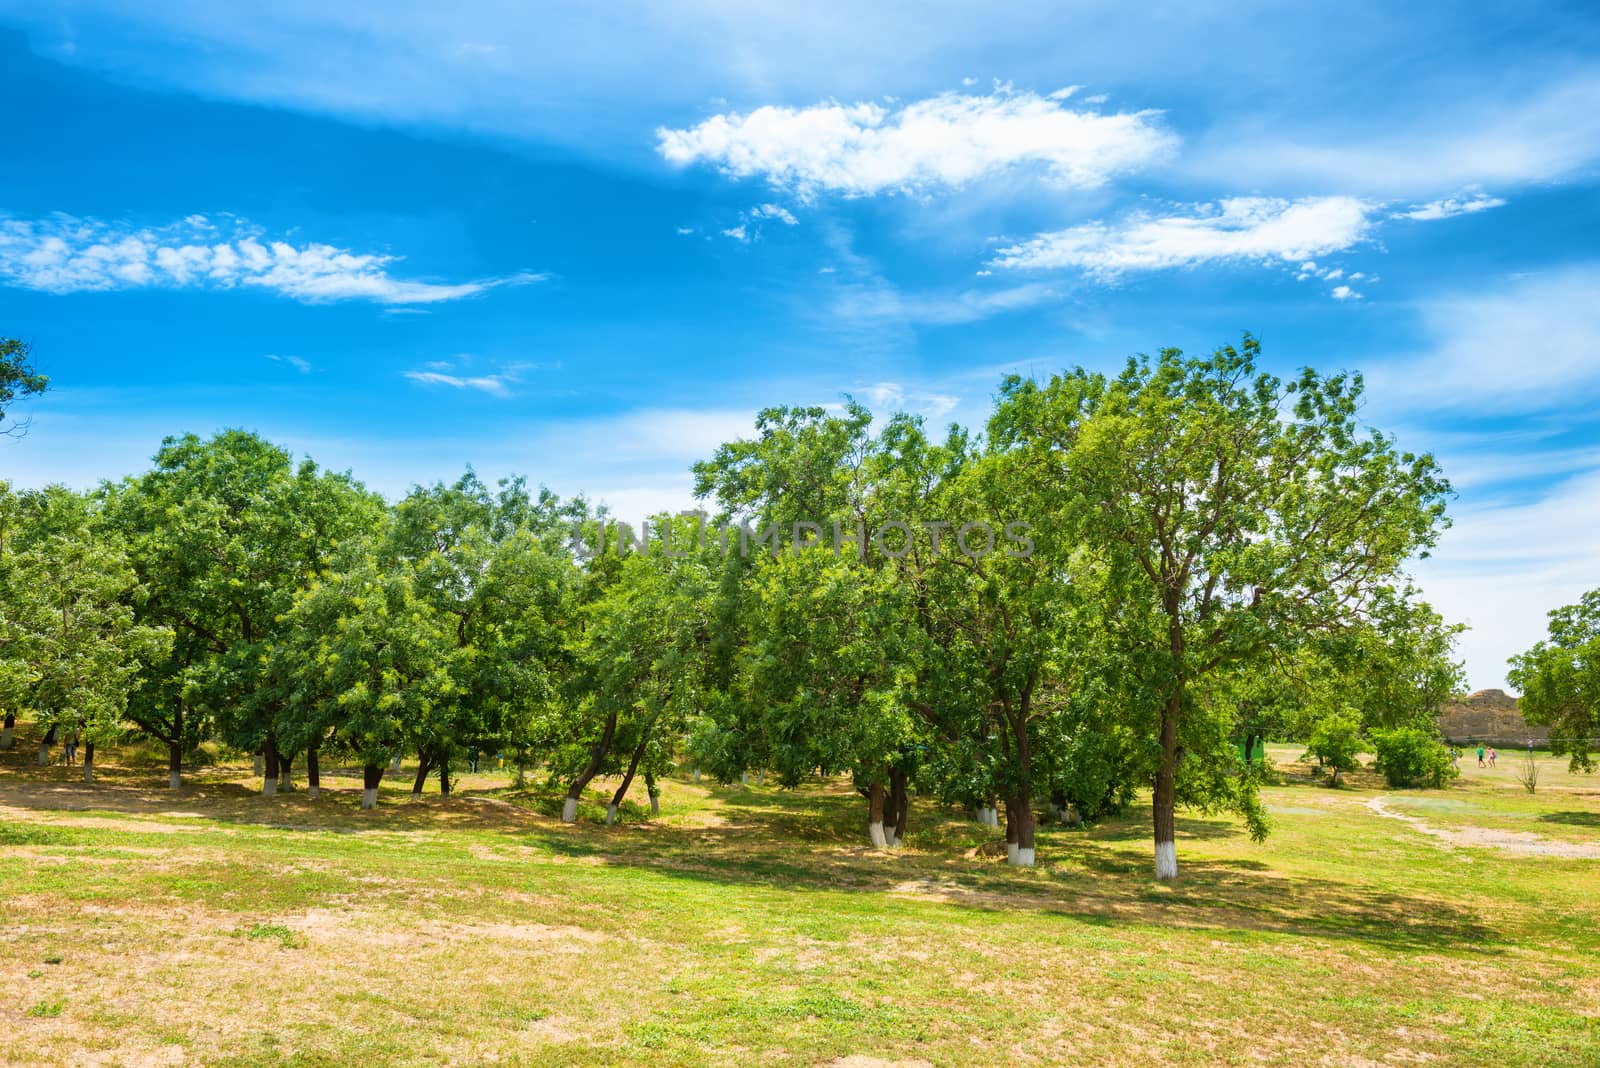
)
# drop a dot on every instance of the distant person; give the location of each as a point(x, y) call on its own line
point(472, 759)
point(1480, 756)
point(71, 747)
point(1491, 757)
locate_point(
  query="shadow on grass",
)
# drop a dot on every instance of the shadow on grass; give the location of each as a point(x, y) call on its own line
point(1572, 819)
point(813, 839)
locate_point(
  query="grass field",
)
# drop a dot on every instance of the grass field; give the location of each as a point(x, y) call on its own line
point(753, 926)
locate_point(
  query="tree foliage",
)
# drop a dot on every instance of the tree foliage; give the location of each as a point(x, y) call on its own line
point(1560, 680)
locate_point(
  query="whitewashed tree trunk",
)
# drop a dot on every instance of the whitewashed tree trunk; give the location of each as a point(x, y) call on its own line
point(260, 766)
point(875, 832)
point(761, 777)
point(1023, 857)
point(611, 815)
point(7, 737)
point(744, 777)
point(369, 797)
point(569, 810)
point(892, 838)
point(44, 753)
point(655, 804)
point(88, 769)
point(269, 787)
point(1166, 860)
point(1012, 852)
point(175, 779)
point(696, 774)
point(314, 792)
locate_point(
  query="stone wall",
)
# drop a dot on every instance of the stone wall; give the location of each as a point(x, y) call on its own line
point(1491, 717)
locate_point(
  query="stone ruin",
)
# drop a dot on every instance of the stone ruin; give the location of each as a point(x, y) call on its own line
point(1490, 717)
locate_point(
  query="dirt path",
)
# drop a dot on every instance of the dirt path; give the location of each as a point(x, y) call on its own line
point(1483, 837)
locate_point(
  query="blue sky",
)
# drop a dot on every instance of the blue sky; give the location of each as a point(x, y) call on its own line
point(587, 247)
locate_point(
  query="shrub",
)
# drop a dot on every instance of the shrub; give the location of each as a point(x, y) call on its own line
point(1410, 756)
point(1336, 742)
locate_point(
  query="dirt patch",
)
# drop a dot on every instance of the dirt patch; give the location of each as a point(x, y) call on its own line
point(1522, 842)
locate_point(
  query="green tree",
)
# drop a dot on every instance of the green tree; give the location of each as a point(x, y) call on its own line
point(640, 664)
point(17, 378)
point(499, 566)
point(68, 637)
point(222, 533)
point(1560, 680)
point(1236, 512)
point(364, 662)
point(1336, 742)
point(1413, 756)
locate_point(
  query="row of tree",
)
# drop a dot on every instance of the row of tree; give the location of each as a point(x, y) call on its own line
point(1114, 586)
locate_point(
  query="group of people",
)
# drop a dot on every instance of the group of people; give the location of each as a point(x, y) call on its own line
point(1486, 756)
point(1485, 753)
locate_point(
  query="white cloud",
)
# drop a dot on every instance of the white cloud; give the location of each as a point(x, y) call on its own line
point(1491, 138)
point(684, 231)
point(738, 233)
point(1344, 293)
point(483, 383)
point(774, 211)
point(1526, 344)
point(1239, 229)
point(63, 254)
point(889, 397)
point(1450, 207)
point(876, 300)
point(299, 363)
point(1504, 565)
point(456, 373)
point(943, 142)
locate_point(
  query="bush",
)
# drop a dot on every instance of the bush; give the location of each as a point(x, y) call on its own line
point(1410, 756)
point(1336, 742)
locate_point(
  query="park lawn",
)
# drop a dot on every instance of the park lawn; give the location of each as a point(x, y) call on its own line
point(752, 926)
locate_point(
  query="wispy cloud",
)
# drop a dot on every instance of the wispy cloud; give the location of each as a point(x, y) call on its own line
point(458, 373)
point(943, 142)
point(1521, 345)
point(1239, 229)
point(1493, 138)
point(774, 211)
point(1450, 207)
point(879, 300)
point(63, 254)
point(297, 362)
point(885, 397)
point(483, 383)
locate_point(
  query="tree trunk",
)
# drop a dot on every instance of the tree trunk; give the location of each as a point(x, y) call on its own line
point(653, 792)
point(627, 780)
point(88, 762)
point(269, 772)
point(371, 776)
point(597, 754)
point(444, 776)
point(8, 731)
point(44, 746)
point(875, 800)
point(284, 782)
point(424, 767)
point(313, 773)
point(1164, 802)
point(900, 798)
point(1012, 844)
point(260, 767)
point(175, 749)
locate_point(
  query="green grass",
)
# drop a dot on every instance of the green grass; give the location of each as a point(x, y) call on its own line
point(753, 925)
